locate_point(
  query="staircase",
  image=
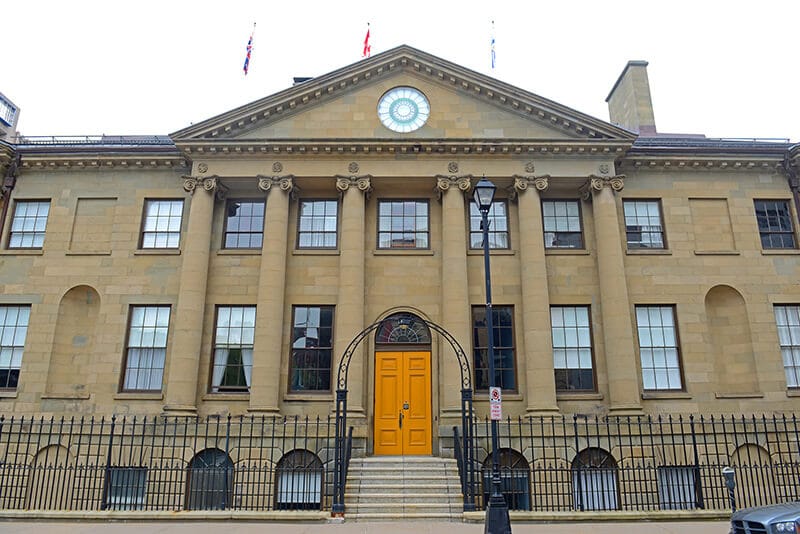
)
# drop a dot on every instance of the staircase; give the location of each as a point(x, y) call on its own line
point(403, 487)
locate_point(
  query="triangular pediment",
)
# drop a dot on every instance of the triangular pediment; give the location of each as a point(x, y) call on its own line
point(465, 105)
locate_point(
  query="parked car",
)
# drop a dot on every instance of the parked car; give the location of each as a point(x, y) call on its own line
point(772, 519)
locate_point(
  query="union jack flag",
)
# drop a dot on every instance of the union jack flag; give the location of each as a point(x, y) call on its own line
point(249, 51)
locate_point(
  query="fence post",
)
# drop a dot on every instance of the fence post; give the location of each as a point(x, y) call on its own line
point(579, 471)
point(698, 481)
point(106, 478)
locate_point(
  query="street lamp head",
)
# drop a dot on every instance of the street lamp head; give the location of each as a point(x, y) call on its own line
point(483, 194)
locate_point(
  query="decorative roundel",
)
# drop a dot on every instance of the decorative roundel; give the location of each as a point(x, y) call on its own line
point(403, 109)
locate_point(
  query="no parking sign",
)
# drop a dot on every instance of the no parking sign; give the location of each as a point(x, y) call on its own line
point(495, 404)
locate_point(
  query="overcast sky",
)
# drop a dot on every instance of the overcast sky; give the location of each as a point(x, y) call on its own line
point(722, 68)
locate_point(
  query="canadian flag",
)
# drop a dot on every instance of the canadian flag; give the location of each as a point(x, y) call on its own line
point(367, 48)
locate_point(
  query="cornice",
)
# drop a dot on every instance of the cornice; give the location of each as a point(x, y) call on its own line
point(488, 147)
point(403, 59)
point(699, 163)
point(103, 161)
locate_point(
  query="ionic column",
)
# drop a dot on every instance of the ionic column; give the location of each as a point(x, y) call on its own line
point(455, 317)
point(623, 382)
point(350, 308)
point(268, 344)
point(184, 357)
point(540, 384)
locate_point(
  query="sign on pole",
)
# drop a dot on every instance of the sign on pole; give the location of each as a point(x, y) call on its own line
point(495, 404)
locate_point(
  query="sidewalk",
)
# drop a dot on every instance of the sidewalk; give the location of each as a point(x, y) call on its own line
point(353, 527)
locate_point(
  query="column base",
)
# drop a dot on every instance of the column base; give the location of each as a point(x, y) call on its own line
point(624, 410)
point(543, 411)
point(264, 411)
point(179, 410)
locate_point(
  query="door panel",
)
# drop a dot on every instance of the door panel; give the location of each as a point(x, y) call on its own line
point(402, 378)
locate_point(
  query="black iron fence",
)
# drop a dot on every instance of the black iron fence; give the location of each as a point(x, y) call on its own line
point(161, 463)
point(635, 463)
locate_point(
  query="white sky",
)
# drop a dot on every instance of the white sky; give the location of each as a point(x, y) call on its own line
point(722, 68)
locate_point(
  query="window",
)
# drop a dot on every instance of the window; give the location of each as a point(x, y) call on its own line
point(572, 348)
point(8, 111)
point(317, 225)
point(498, 225)
point(210, 481)
point(126, 488)
point(676, 487)
point(299, 483)
point(775, 224)
point(403, 224)
point(244, 224)
point(562, 224)
point(787, 318)
point(658, 347)
point(312, 347)
point(28, 224)
point(595, 480)
point(147, 348)
point(643, 225)
point(13, 330)
point(233, 348)
point(503, 334)
point(515, 479)
point(162, 223)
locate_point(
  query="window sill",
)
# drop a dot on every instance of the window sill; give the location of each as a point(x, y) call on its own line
point(753, 395)
point(780, 252)
point(157, 252)
point(566, 252)
point(568, 396)
point(315, 252)
point(132, 395)
point(239, 252)
point(242, 396)
point(665, 395)
point(88, 253)
point(492, 252)
point(648, 252)
point(8, 394)
point(66, 396)
point(22, 252)
point(717, 253)
point(322, 396)
point(402, 252)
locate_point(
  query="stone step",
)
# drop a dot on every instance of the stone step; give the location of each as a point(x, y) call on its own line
point(400, 496)
point(406, 489)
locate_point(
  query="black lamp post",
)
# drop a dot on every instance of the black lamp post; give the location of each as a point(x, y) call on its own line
point(497, 520)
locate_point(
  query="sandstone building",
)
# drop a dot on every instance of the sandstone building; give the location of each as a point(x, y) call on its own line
point(225, 268)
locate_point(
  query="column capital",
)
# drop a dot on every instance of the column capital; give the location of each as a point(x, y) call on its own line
point(284, 183)
point(444, 183)
point(362, 183)
point(522, 183)
point(595, 184)
point(211, 184)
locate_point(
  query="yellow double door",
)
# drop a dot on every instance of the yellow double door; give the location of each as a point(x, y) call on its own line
point(402, 403)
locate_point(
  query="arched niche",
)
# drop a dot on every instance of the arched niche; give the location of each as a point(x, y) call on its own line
point(71, 371)
point(731, 342)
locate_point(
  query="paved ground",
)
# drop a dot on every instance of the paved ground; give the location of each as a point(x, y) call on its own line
point(353, 527)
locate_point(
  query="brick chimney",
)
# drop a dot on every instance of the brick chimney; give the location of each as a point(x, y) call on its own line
point(629, 103)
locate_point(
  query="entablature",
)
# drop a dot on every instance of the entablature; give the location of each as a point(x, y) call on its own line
point(489, 147)
point(696, 163)
point(102, 161)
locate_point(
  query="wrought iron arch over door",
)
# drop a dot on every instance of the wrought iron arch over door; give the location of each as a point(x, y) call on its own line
point(403, 320)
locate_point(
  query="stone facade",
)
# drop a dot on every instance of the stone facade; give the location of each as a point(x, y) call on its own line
point(322, 140)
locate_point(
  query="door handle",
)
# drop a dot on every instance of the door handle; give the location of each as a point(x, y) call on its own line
point(400, 419)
